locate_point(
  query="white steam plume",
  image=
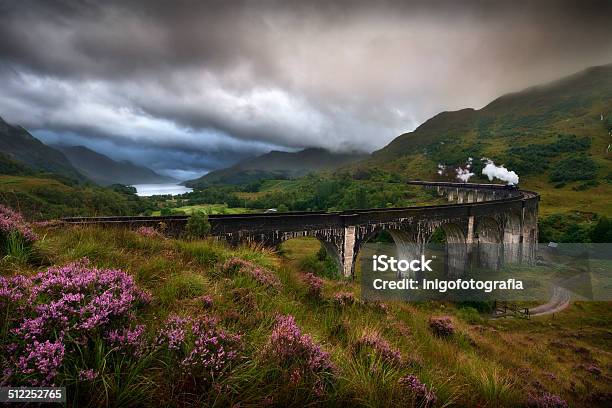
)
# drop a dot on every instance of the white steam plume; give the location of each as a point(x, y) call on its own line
point(499, 172)
point(464, 174)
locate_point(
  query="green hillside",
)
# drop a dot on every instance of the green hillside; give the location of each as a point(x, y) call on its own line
point(276, 165)
point(555, 136)
point(12, 167)
point(46, 198)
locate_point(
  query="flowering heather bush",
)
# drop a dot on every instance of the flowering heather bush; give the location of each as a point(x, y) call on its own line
point(207, 301)
point(261, 275)
point(52, 313)
point(87, 375)
point(148, 232)
point(128, 339)
point(593, 369)
point(39, 360)
point(302, 358)
point(373, 342)
point(344, 299)
point(419, 391)
point(378, 306)
point(442, 326)
point(213, 348)
point(174, 332)
point(546, 400)
point(12, 222)
point(314, 283)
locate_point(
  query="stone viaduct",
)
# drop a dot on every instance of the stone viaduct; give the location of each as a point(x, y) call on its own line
point(489, 223)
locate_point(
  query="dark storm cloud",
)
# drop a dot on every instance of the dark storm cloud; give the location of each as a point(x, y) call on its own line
point(225, 77)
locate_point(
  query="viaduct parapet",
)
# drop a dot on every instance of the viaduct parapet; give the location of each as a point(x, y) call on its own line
point(490, 223)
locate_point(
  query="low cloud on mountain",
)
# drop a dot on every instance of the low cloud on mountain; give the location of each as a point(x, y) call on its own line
point(188, 86)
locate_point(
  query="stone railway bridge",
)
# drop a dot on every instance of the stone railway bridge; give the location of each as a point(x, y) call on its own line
point(491, 223)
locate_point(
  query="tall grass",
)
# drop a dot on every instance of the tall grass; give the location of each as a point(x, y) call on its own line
point(16, 248)
point(473, 367)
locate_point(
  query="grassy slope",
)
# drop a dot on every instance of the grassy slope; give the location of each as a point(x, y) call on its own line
point(276, 164)
point(488, 364)
point(44, 198)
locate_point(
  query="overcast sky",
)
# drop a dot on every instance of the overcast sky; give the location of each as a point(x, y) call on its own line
point(187, 86)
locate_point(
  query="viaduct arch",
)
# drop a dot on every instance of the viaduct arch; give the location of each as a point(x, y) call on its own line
point(477, 218)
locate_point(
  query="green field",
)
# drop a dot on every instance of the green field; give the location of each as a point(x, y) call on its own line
point(208, 209)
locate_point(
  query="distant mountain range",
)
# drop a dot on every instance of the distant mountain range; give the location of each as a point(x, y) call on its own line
point(105, 171)
point(276, 164)
point(23, 154)
point(556, 136)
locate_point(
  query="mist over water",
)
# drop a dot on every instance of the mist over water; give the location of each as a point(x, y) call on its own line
point(146, 190)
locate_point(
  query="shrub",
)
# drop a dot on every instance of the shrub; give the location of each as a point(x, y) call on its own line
point(470, 315)
point(197, 225)
point(203, 350)
point(148, 232)
point(441, 326)
point(326, 267)
point(14, 231)
point(213, 352)
point(343, 299)
point(259, 274)
point(173, 334)
point(422, 396)
point(377, 305)
point(602, 231)
point(573, 169)
point(375, 343)
point(535, 158)
point(207, 301)
point(566, 228)
point(546, 400)
point(314, 284)
point(61, 311)
point(301, 359)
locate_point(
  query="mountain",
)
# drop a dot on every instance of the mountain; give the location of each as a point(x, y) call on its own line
point(276, 164)
point(105, 171)
point(20, 148)
point(569, 104)
point(557, 137)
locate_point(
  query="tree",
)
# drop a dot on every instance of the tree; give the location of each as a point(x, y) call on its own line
point(197, 225)
point(602, 231)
